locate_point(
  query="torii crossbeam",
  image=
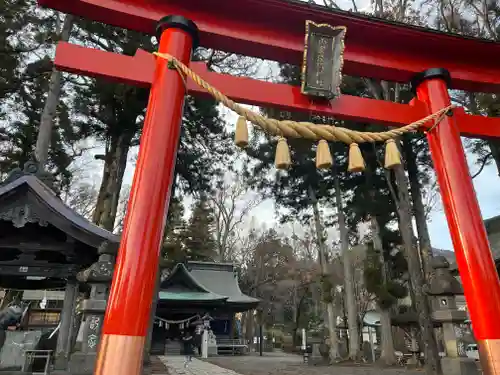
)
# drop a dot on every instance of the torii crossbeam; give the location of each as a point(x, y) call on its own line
point(274, 29)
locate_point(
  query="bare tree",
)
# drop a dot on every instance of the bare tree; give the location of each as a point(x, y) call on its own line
point(122, 208)
point(81, 193)
point(81, 197)
point(231, 203)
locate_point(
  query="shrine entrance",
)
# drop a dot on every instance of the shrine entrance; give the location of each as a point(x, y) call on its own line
point(274, 29)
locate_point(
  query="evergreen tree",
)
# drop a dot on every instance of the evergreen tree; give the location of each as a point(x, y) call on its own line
point(25, 44)
point(386, 280)
point(16, 20)
point(19, 144)
point(199, 235)
point(174, 236)
point(114, 114)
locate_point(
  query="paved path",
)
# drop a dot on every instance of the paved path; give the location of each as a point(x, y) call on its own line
point(175, 365)
point(286, 364)
point(270, 364)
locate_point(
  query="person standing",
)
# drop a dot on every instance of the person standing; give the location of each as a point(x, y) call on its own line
point(188, 343)
point(198, 335)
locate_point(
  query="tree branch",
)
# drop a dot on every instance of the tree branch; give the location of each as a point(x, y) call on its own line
point(483, 162)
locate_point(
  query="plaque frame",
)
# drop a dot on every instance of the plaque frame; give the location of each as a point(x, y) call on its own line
point(336, 36)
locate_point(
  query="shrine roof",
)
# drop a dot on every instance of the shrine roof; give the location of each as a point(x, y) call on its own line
point(29, 197)
point(492, 226)
point(190, 296)
point(205, 281)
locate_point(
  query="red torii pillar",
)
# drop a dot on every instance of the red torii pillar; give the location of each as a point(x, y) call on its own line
point(128, 309)
point(474, 258)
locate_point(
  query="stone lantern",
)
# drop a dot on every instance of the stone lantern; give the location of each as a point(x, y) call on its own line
point(442, 290)
point(98, 276)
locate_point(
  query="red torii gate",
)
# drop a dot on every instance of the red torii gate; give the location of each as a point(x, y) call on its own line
point(274, 29)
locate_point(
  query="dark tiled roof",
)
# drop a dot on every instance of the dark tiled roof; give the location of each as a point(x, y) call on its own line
point(55, 209)
point(217, 280)
point(220, 278)
point(492, 225)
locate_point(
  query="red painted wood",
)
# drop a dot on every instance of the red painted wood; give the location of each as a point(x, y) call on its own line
point(129, 304)
point(138, 70)
point(274, 29)
point(474, 258)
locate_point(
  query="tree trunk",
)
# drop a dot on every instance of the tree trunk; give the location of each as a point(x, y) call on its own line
point(424, 238)
point(152, 314)
point(115, 162)
point(50, 108)
point(332, 331)
point(352, 311)
point(420, 302)
point(250, 327)
point(330, 308)
point(295, 316)
point(494, 145)
point(388, 357)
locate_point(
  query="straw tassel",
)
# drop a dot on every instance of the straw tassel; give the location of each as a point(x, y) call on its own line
point(392, 155)
point(323, 156)
point(241, 133)
point(282, 160)
point(356, 162)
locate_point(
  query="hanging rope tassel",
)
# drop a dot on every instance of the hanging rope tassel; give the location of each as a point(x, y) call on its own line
point(306, 130)
point(323, 156)
point(241, 133)
point(282, 159)
point(392, 155)
point(356, 162)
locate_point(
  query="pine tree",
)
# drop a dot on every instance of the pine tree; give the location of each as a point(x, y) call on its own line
point(199, 237)
point(19, 145)
point(16, 16)
point(174, 248)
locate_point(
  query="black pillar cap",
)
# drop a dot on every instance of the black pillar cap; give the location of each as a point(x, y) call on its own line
point(440, 73)
point(178, 22)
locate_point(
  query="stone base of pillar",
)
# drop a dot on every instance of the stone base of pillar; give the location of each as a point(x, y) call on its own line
point(61, 362)
point(82, 363)
point(316, 353)
point(412, 363)
point(459, 366)
point(147, 365)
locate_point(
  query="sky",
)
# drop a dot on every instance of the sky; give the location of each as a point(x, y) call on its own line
point(486, 184)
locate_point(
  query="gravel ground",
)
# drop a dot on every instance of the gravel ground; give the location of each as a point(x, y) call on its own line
point(287, 364)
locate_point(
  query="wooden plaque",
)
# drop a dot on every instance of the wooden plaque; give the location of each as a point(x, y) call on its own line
point(323, 60)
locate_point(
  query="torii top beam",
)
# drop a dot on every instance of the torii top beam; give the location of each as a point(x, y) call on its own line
point(274, 29)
